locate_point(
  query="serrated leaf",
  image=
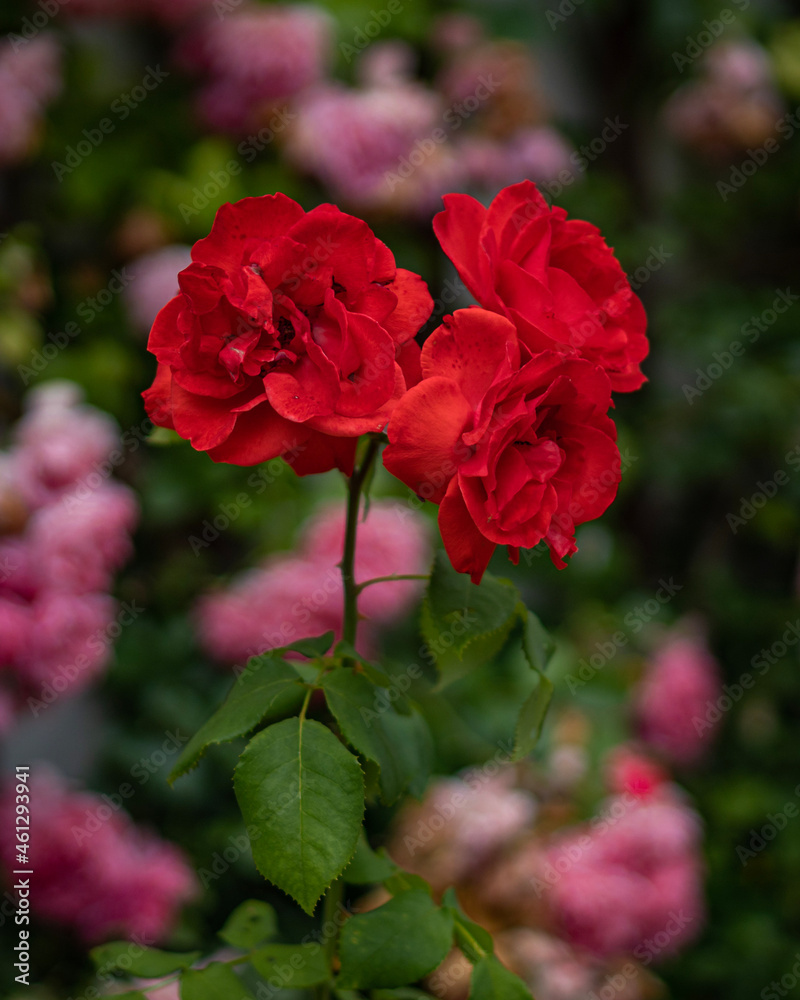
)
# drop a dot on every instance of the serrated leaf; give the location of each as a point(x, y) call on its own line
point(355, 704)
point(492, 981)
point(395, 944)
point(265, 690)
point(531, 717)
point(456, 613)
point(537, 644)
point(133, 960)
point(368, 867)
point(303, 791)
point(312, 648)
point(296, 965)
point(250, 924)
point(217, 981)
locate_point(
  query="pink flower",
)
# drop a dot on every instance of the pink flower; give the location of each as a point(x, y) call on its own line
point(621, 879)
point(256, 57)
point(95, 871)
point(460, 825)
point(59, 441)
point(392, 540)
point(373, 148)
point(284, 600)
point(680, 684)
point(292, 597)
point(155, 282)
point(30, 77)
point(628, 770)
point(80, 540)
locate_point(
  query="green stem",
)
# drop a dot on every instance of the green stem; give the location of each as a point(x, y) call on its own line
point(390, 579)
point(351, 589)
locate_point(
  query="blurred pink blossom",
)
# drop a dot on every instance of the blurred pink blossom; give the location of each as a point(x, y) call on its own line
point(30, 77)
point(373, 148)
point(615, 883)
point(296, 596)
point(256, 57)
point(67, 529)
point(629, 770)
point(59, 440)
point(155, 282)
point(460, 825)
point(678, 684)
point(96, 871)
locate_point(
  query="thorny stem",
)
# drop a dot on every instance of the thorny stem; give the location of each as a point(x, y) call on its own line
point(351, 589)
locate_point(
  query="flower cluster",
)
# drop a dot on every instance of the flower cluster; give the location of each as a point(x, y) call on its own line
point(95, 870)
point(293, 334)
point(30, 77)
point(65, 527)
point(508, 430)
point(299, 595)
point(567, 905)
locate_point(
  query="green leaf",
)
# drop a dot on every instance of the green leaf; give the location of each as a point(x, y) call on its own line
point(295, 965)
point(475, 941)
point(368, 867)
point(403, 881)
point(492, 981)
point(456, 613)
point(401, 993)
point(267, 689)
point(396, 944)
point(412, 733)
point(531, 717)
point(216, 981)
point(312, 648)
point(304, 794)
point(250, 924)
point(355, 704)
point(133, 960)
point(164, 436)
point(537, 644)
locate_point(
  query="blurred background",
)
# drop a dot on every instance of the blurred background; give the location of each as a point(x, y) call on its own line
point(134, 573)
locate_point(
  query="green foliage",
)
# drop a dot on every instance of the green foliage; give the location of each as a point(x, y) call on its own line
point(396, 944)
point(457, 614)
point(492, 981)
point(301, 794)
point(217, 981)
point(133, 960)
point(250, 924)
point(265, 690)
point(297, 965)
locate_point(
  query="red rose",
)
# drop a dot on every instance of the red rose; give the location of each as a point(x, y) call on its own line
point(514, 448)
point(290, 336)
point(556, 278)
